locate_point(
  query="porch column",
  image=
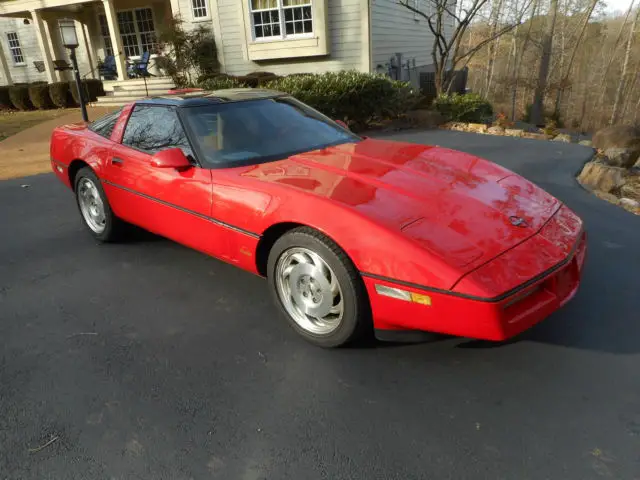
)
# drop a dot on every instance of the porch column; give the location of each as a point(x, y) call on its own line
point(43, 42)
point(175, 9)
point(116, 42)
point(6, 73)
point(88, 44)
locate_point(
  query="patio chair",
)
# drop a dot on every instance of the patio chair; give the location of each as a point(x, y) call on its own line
point(107, 69)
point(140, 68)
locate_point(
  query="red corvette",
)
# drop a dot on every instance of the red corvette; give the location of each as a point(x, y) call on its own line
point(352, 233)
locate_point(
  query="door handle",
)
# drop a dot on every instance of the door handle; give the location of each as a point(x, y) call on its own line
point(117, 161)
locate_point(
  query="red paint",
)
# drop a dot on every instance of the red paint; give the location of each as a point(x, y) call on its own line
point(416, 214)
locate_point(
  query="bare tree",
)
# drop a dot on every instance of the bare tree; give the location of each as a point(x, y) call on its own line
point(537, 108)
point(625, 67)
point(446, 51)
point(565, 78)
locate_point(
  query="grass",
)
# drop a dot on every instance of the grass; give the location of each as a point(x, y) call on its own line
point(12, 122)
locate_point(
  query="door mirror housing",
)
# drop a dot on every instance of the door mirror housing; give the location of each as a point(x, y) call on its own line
point(342, 124)
point(170, 158)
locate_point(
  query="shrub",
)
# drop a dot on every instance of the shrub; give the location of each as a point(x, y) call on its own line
point(469, 107)
point(221, 82)
point(193, 53)
point(75, 96)
point(39, 96)
point(59, 94)
point(550, 128)
point(502, 121)
point(354, 97)
point(5, 100)
point(92, 88)
point(19, 96)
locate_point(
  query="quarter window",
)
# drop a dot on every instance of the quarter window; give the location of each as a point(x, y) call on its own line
point(199, 8)
point(273, 19)
point(15, 48)
point(155, 128)
point(104, 126)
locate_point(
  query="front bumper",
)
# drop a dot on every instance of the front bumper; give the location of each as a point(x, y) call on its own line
point(462, 315)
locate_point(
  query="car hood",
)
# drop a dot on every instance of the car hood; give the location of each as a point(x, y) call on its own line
point(462, 208)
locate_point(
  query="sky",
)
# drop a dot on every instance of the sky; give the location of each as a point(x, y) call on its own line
point(617, 5)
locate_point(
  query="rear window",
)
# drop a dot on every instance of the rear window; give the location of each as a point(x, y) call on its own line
point(104, 125)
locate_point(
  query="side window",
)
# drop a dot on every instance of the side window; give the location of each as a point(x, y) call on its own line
point(155, 128)
point(104, 126)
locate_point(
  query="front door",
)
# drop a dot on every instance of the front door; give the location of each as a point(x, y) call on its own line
point(172, 203)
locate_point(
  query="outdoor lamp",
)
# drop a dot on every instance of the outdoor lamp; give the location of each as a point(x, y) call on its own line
point(68, 32)
point(70, 41)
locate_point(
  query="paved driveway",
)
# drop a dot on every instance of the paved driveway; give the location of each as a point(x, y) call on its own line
point(148, 360)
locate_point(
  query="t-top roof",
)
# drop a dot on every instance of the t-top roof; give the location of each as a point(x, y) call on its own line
point(188, 97)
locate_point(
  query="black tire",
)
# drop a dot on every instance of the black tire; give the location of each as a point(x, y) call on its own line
point(114, 228)
point(356, 317)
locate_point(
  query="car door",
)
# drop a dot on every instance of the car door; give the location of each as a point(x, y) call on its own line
point(170, 202)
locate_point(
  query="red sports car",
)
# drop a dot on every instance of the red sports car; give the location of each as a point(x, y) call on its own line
point(352, 233)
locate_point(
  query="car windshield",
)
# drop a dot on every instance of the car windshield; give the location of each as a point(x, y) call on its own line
point(256, 131)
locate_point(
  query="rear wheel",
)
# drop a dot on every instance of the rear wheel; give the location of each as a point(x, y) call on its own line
point(94, 207)
point(318, 288)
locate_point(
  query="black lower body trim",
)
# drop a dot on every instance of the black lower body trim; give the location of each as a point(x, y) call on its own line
point(406, 336)
point(177, 207)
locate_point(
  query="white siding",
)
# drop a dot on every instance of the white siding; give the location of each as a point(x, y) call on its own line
point(344, 23)
point(395, 29)
point(30, 50)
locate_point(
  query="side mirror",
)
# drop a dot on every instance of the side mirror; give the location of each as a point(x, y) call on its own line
point(342, 124)
point(171, 158)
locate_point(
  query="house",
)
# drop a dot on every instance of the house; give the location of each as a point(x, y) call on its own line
point(280, 36)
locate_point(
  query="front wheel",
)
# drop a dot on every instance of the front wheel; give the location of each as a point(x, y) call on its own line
point(318, 288)
point(95, 209)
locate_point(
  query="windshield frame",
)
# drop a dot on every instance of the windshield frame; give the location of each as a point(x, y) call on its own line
point(204, 163)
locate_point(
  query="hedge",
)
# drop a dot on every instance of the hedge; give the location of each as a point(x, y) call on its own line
point(354, 97)
point(20, 97)
point(39, 96)
point(470, 107)
point(221, 82)
point(59, 94)
point(5, 100)
point(92, 88)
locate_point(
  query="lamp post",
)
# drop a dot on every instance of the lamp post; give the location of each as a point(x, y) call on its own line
point(70, 41)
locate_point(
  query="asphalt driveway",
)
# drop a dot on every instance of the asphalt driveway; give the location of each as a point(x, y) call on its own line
point(148, 360)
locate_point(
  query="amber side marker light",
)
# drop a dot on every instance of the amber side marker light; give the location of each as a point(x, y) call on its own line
point(403, 295)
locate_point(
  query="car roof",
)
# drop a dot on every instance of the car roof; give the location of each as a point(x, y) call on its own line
point(191, 98)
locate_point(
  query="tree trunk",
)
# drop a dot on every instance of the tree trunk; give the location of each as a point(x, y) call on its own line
point(491, 54)
point(537, 109)
point(629, 95)
point(518, 59)
point(576, 44)
point(625, 66)
point(603, 82)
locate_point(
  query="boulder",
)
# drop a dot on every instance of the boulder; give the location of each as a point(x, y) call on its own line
point(600, 176)
point(425, 118)
point(631, 188)
point(513, 132)
point(477, 128)
point(586, 143)
point(619, 136)
point(495, 130)
point(562, 137)
point(458, 126)
point(630, 204)
point(621, 156)
point(535, 136)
